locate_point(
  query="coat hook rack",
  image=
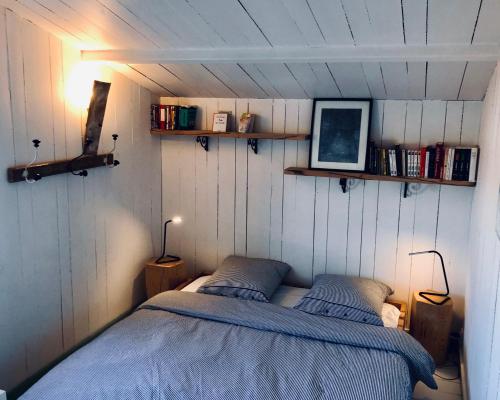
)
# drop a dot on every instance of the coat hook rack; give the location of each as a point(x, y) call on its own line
point(89, 158)
point(33, 172)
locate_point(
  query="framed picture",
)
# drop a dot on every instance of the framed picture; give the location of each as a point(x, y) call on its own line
point(339, 134)
point(221, 121)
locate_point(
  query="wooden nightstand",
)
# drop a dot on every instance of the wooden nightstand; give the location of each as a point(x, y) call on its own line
point(163, 277)
point(430, 324)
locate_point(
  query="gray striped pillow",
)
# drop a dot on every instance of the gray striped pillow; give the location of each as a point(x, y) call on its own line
point(246, 278)
point(346, 297)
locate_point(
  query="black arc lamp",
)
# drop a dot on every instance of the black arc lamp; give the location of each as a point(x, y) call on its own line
point(166, 258)
point(426, 295)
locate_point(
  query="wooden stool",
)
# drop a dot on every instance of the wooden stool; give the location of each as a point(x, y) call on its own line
point(163, 277)
point(430, 324)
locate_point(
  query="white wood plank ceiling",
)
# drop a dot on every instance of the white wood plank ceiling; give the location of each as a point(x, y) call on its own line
point(262, 26)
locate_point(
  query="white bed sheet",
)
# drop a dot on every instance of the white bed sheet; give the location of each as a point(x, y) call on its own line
point(289, 296)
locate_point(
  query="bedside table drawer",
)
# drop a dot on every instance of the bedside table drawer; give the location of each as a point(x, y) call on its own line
point(163, 277)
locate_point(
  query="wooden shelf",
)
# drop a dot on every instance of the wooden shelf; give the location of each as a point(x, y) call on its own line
point(251, 138)
point(236, 135)
point(370, 177)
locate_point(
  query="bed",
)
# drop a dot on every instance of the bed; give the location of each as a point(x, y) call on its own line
point(189, 345)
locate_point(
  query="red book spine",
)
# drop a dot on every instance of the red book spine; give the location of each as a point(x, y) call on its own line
point(422, 161)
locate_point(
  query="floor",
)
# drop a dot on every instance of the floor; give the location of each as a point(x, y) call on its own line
point(447, 389)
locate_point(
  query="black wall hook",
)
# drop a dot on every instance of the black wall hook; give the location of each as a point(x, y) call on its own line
point(32, 177)
point(82, 173)
point(115, 163)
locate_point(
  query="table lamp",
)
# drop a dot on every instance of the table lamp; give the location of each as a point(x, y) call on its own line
point(437, 294)
point(163, 259)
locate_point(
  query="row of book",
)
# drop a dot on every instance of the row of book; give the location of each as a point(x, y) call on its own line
point(173, 117)
point(437, 162)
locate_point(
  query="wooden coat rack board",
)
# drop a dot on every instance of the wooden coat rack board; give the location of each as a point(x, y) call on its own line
point(44, 169)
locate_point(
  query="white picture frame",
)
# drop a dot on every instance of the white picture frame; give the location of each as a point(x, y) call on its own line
point(340, 130)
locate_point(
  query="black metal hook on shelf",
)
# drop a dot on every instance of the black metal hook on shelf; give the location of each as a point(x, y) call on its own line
point(253, 143)
point(343, 184)
point(26, 173)
point(203, 141)
point(83, 173)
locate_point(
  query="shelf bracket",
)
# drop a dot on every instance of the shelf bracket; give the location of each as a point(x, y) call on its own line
point(405, 193)
point(253, 144)
point(343, 184)
point(203, 141)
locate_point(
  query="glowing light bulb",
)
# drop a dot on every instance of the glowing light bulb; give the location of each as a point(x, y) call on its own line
point(177, 220)
point(78, 88)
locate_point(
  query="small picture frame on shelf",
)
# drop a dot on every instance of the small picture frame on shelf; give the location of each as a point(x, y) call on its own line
point(340, 130)
point(221, 122)
point(246, 123)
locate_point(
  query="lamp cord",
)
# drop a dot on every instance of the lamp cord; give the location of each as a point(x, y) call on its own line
point(452, 364)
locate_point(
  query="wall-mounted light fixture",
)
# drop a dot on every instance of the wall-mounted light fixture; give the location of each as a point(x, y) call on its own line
point(78, 86)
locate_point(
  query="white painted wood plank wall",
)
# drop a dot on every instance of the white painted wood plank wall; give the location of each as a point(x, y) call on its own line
point(71, 249)
point(482, 328)
point(245, 205)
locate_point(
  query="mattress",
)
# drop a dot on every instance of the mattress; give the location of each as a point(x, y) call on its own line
point(289, 296)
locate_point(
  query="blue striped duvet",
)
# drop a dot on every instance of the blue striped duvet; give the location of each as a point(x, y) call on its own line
point(182, 345)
